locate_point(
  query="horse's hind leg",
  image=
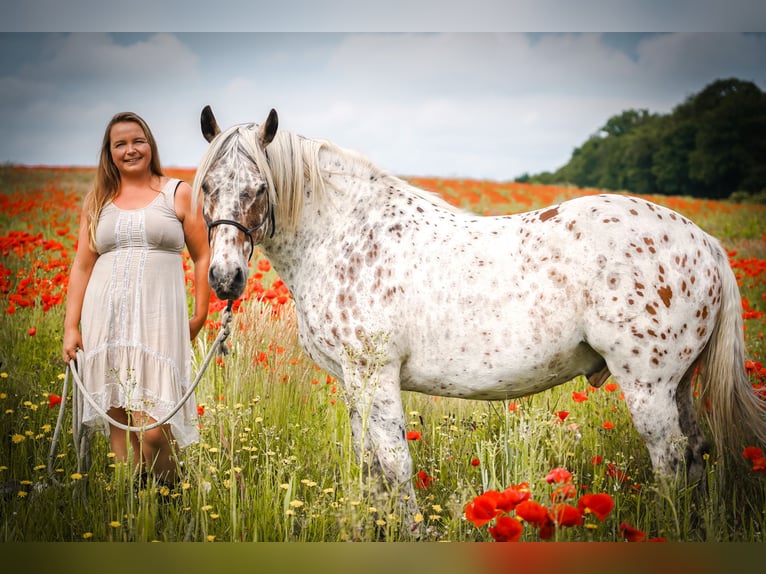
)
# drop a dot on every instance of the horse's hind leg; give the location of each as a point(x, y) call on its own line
point(697, 445)
point(656, 418)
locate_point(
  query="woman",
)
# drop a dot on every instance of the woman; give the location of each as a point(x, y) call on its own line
point(126, 304)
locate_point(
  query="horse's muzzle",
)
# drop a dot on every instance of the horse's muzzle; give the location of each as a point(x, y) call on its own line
point(228, 283)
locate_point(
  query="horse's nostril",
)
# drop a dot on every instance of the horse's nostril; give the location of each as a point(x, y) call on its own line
point(239, 277)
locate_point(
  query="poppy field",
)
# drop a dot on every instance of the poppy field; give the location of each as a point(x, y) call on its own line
point(276, 462)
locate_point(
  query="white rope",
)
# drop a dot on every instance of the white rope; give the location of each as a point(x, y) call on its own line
point(73, 368)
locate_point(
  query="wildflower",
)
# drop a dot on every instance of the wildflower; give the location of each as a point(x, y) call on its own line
point(609, 387)
point(75, 476)
point(114, 524)
point(752, 453)
point(22, 493)
point(53, 400)
point(533, 512)
point(87, 535)
point(579, 397)
point(566, 515)
point(614, 472)
point(564, 491)
point(631, 534)
point(424, 480)
point(17, 438)
point(596, 460)
point(608, 425)
point(513, 407)
point(210, 537)
point(200, 410)
point(32, 331)
point(296, 503)
point(475, 462)
point(512, 496)
point(558, 475)
point(481, 509)
point(599, 504)
point(414, 435)
point(562, 415)
point(506, 529)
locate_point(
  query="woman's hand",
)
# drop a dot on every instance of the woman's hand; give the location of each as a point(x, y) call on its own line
point(72, 344)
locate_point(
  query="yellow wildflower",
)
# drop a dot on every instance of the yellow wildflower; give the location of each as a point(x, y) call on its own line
point(17, 438)
point(114, 524)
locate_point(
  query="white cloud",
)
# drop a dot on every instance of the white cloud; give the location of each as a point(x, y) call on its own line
point(467, 105)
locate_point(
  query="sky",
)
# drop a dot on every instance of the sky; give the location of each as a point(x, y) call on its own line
point(471, 102)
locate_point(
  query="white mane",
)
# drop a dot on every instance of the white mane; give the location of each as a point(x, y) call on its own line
point(289, 162)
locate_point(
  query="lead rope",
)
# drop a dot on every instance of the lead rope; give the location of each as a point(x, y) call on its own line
point(73, 369)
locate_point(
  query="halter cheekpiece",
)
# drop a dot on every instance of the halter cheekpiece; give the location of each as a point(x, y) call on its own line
point(247, 231)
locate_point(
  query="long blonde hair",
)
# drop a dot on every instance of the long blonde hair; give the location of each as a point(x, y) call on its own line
point(108, 176)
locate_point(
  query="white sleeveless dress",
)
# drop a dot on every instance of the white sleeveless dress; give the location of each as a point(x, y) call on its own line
point(135, 317)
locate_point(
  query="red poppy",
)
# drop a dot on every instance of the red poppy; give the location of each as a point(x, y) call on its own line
point(512, 496)
point(264, 265)
point(566, 515)
point(608, 425)
point(609, 387)
point(562, 415)
point(533, 512)
point(614, 472)
point(631, 534)
point(414, 435)
point(32, 331)
point(424, 480)
point(475, 462)
point(506, 529)
point(752, 453)
point(481, 510)
point(579, 397)
point(53, 400)
point(564, 491)
point(558, 475)
point(596, 460)
point(599, 504)
point(200, 410)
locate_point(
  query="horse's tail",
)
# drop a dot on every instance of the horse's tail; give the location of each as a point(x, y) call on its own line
point(734, 412)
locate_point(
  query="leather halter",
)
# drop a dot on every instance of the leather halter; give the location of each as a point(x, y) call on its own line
point(247, 231)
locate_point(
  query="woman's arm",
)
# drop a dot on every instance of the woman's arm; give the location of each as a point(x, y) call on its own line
point(82, 267)
point(195, 234)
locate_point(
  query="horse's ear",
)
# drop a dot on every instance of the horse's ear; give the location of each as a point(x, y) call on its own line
point(269, 128)
point(210, 127)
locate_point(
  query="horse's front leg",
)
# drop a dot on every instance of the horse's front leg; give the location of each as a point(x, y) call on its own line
point(377, 424)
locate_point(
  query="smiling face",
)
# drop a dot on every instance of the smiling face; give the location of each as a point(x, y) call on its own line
point(129, 147)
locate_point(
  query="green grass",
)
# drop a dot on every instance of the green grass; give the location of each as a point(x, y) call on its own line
point(276, 461)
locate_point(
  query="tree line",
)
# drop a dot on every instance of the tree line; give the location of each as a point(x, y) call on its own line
point(713, 145)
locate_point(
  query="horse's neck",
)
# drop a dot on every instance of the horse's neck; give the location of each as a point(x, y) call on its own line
point(353, 191)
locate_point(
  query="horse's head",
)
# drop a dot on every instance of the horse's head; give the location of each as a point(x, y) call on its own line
point(238, 199)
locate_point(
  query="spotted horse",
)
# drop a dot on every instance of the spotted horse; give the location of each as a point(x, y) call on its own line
point(395, 289)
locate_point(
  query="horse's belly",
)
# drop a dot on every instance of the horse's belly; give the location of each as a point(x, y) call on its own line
point(497, 376)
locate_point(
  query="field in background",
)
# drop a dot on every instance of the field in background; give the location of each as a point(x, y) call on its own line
point(276, 462)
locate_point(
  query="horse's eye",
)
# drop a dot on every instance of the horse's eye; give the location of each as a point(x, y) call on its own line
point(261, 190)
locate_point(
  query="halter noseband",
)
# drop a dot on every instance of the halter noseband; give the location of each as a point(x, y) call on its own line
point(248, 232)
